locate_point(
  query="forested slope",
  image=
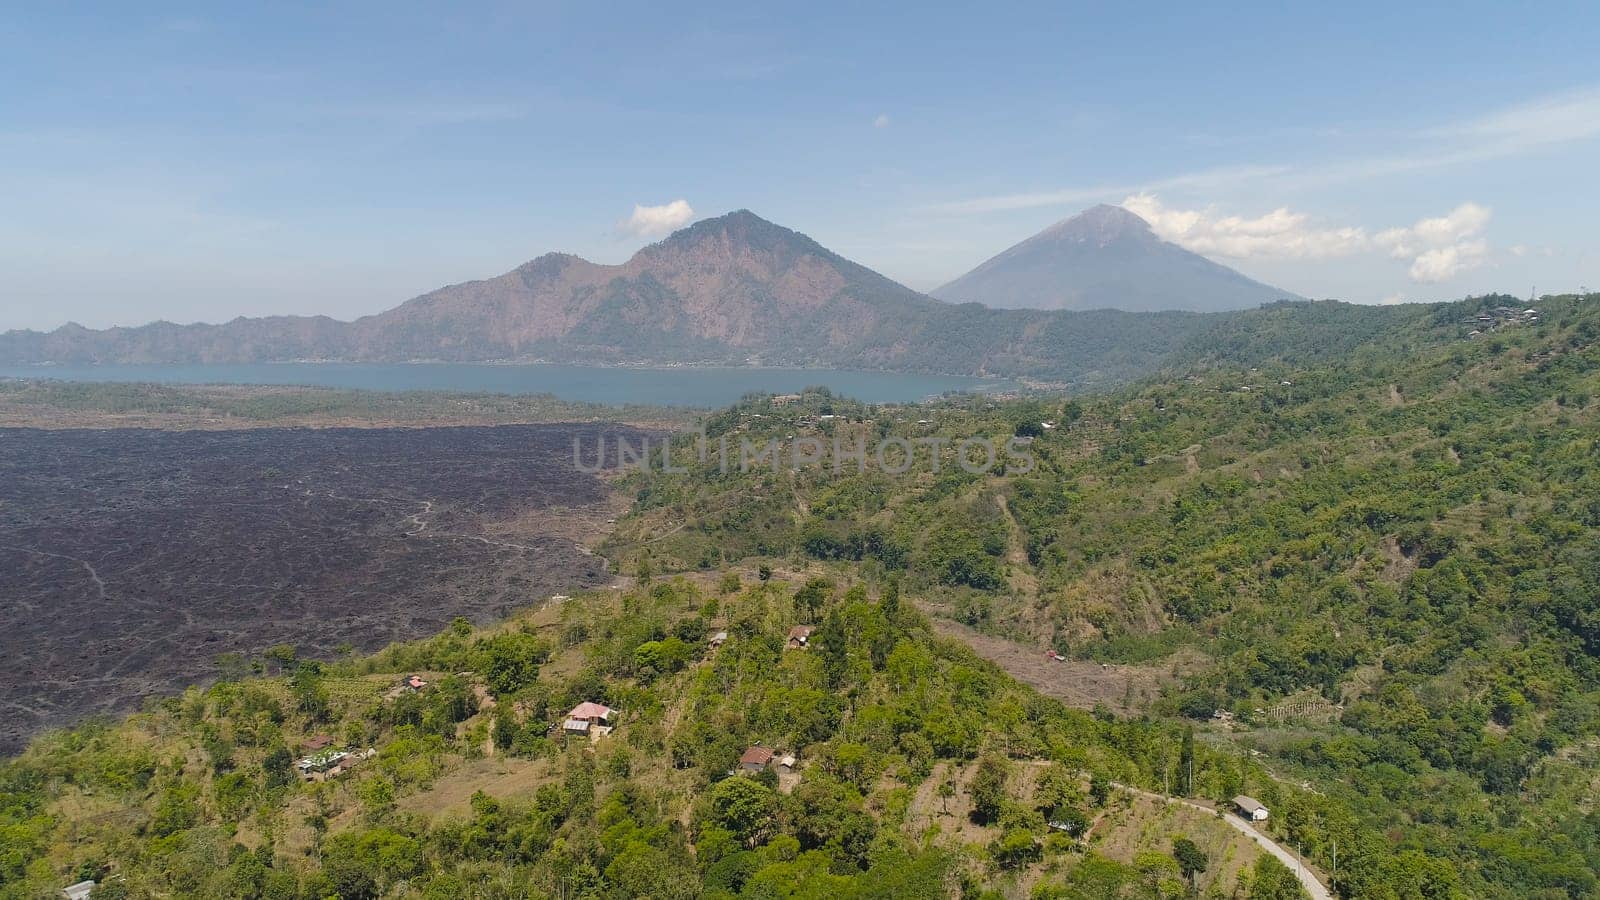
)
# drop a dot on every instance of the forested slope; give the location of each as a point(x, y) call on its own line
point(1386, 550)
point(921, 770)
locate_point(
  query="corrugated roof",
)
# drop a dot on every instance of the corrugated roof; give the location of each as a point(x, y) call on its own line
point(587, 710)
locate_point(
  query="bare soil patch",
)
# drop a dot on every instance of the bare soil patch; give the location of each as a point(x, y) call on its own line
point(1084, 683)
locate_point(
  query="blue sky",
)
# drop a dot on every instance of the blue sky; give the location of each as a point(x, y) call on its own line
point(194, 164)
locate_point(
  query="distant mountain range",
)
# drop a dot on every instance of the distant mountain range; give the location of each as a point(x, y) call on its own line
point(733, 290)
point(1107, 258)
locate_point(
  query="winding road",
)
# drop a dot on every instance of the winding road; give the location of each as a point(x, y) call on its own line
point(1024, 665)
point(1307, 880)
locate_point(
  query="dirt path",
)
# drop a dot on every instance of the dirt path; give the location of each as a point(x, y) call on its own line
point(1022, 577)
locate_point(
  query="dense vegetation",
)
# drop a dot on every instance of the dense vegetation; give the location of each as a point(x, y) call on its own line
point(1363, 568)
point(1383, 545)
point(472, 791)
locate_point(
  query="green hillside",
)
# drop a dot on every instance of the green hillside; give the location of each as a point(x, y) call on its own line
point(920, 770)
point(1356, 578)
point(1377, 551)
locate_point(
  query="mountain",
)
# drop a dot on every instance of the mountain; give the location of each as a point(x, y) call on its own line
point(733, 290)
point(1106, 258)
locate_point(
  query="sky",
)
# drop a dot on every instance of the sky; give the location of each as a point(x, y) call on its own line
point(200, 163)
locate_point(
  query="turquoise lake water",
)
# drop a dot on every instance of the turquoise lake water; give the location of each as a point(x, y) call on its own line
point(590, 384)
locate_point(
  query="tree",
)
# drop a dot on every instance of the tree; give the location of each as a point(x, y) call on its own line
point(377, 797)
point(1274, 881)
point(278, 767)
point(1056, 790)
point(1186, 763)
point(988, 789)
point(810, 597)
point(764, 572)
point(365, 864)
point(891, 601)
point(511, 660)
point(745, 807)
point(310, 696)
point(282, 654)
point(1015, 848)
point(1191, 859)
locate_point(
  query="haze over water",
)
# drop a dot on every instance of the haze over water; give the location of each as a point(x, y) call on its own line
point(678, 386)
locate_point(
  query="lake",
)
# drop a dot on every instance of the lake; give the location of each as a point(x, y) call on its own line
point(676, 386)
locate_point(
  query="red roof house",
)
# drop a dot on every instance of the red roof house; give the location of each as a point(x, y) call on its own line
point(593, 713)
point(755, 759)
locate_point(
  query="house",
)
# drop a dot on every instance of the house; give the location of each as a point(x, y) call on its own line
point(787, 762)
point(718, 639)
point(317, 742)
point(321, 766)
point(1250, 808)
point(755, 759)
point(799, 637)
point(785, 399)
point(414, 682)
point(78, 891)
point(587, 718)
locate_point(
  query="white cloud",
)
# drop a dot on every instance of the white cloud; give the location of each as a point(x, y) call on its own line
point(882, 121)
point(654, 221)
point(1444, 263)
point(1279, 234)
point(1442, 247)
point(1438, 248)
point(1461, 223)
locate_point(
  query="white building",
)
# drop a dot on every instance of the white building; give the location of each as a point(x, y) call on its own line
point(1250, 808)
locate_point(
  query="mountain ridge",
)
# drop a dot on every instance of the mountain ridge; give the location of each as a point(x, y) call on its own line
point(731, 290)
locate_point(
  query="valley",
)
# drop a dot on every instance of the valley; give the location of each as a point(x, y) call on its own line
point(1342, 573)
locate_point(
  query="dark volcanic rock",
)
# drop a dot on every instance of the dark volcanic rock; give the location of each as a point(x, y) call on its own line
point(131, 559)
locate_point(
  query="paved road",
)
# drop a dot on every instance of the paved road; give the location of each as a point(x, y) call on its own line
point(1308, 881)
